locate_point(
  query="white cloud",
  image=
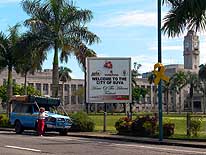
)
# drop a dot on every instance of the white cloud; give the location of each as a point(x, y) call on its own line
point(131, 18)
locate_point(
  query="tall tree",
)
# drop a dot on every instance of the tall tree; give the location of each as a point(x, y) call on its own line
point(63, 26)
point(177, 82)
point(184, 14)
point(202, 77)
point(64, 77)
point(192, 80)
point(32, 56)
point(8, 58)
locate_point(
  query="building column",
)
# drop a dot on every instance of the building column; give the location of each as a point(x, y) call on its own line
point(49, 89)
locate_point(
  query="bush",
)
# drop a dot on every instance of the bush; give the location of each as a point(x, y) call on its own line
point(144, 126)
point(123, 125)
point(4, 121)
point(81, 122)
point(168, 128)
point(195, 125)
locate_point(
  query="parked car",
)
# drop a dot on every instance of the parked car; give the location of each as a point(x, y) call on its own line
point(25, 111)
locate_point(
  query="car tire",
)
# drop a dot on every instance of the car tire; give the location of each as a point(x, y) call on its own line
point(18, 127)
point(63, 132)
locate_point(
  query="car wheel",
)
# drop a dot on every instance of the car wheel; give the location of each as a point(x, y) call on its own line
point(63, 132)
point(18, 127)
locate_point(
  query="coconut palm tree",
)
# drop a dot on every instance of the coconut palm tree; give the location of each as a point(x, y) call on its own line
point(32, 56)
point(202, 77)
point(63, 26)
point(64, 77)
point(8, 57)
point(184, 14)
point(192, 80)
point(177, 82)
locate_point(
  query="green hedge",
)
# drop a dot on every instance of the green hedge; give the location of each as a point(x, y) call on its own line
point(82, 122)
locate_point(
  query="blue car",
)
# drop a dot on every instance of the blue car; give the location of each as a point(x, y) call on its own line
point(25, 111)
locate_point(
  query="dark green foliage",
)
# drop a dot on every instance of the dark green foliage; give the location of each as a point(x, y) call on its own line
point(4, 121)
point(168, 129)
point(144, 126)
point(138, 93)
point(82, 122)
point(195, 125)
point(123, 125)
point(141, 126)
point(3, 94)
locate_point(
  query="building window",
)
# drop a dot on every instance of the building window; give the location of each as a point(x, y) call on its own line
point(66, 87)
point(73, 88)
point(66, 99)
point(73, 99)
point(80, 100)
point(31, 84)
point(45, 87)
point(38, 86)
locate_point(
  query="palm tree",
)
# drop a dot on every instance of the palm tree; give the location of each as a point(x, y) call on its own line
point(8, 58)
point(63, 26)
point(184, 14)
point(32, 57)
point(64, 77)
point(202, 77)
point(151, 79)
point(178, 81)
point(192, 80)
point(135, 73)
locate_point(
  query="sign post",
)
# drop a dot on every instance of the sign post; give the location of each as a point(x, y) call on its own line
point(108, 81)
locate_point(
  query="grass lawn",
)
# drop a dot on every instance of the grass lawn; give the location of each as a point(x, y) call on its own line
point(179, 120)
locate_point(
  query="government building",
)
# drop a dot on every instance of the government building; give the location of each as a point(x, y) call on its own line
point(73, 91)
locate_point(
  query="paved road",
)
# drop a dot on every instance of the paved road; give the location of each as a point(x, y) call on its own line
point(29, 144)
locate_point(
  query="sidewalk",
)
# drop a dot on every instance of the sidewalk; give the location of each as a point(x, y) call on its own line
point(106, 135)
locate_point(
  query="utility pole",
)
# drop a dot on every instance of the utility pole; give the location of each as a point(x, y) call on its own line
point(159, 61)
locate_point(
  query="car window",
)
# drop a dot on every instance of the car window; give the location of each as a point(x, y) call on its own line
point(25, 108)
point(30, 110)
point(36, 109)
point(17, 107)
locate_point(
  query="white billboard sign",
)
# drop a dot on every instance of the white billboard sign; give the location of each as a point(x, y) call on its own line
point(108, 80)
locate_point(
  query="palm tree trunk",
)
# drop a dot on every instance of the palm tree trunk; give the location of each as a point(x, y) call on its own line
point(9, 89)
point(55, 73)
point(25, 88)
point(63, 93)
point(167, 96)
point(180, 102)
point(204, 96)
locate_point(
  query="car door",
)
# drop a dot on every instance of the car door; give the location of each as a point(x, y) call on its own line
point(30, 116)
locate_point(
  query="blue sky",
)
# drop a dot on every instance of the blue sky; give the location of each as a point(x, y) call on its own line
point(127, 28)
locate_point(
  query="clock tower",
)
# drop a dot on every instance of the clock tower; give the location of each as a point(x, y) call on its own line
point(191, 51)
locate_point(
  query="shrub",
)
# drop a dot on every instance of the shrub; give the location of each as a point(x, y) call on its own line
point(123, 125)
point(195, 125)
point(168, 128)
point(4, 121)
point(81, 122)
point(144, 126)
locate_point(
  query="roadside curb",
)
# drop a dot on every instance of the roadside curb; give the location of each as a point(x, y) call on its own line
point(144, 140)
